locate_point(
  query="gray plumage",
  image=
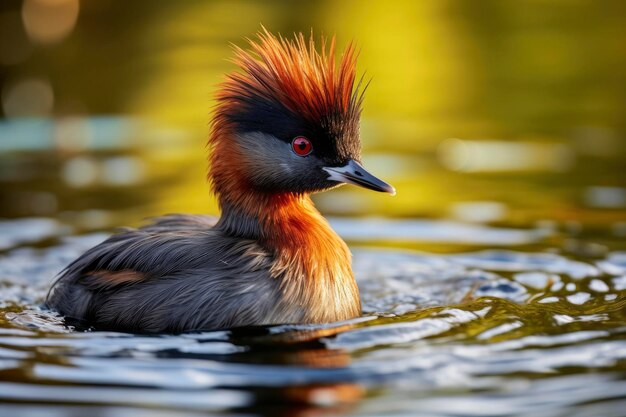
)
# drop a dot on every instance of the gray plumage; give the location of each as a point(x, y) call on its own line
point(194, 277)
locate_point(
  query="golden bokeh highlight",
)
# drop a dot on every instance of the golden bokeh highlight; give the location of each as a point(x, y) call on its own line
point(49, 21)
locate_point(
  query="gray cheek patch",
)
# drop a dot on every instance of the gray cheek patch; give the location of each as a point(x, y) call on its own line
point(271, 161)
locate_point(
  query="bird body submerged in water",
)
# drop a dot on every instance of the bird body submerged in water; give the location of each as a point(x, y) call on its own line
point(286, 125)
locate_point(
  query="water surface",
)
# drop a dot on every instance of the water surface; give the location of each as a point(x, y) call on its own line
point(494, 332)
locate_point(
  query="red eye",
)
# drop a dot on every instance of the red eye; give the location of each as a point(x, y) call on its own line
point(302, 146)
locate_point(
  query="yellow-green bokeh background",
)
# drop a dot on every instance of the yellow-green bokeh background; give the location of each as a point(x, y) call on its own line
point(488, 111)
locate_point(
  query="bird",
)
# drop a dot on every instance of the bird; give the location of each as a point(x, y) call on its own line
point(285, 125)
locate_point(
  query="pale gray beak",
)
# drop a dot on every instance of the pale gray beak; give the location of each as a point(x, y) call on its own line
point(354, 173)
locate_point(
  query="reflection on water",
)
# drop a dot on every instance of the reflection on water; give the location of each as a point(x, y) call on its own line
point(489, 328)
point(494, 283)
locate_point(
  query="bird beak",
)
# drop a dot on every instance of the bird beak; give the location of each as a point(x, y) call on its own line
point(354, 173)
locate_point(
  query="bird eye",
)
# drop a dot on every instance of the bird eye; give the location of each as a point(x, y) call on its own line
point(301, 146)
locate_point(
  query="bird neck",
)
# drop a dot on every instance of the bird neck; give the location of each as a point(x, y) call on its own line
point(279, 221)
point(311, 260)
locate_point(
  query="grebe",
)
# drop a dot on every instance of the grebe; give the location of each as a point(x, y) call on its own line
point(285, 125)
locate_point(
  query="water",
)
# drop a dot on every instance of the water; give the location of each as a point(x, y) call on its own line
point(479, 333)
point(493, 284)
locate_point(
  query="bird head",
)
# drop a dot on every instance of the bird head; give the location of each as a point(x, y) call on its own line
point(288, 120)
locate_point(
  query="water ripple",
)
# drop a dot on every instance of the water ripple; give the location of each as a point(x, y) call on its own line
point(441, 335)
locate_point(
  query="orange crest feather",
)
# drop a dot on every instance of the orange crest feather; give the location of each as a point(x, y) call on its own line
point(294, 73)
